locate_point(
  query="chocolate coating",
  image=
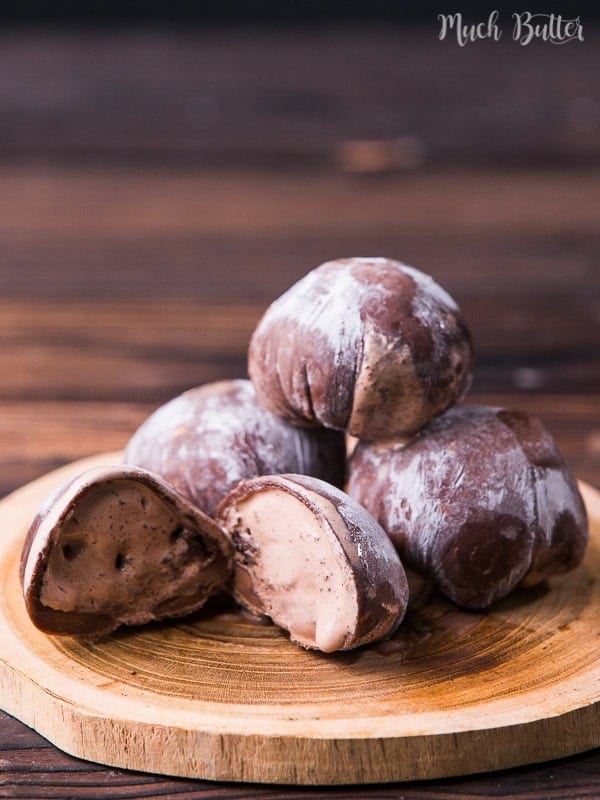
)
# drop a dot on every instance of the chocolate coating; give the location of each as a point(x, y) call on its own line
point(116, 546)
point(314, 561)
point(208, 439)
point(481, 501)
point(366, 345)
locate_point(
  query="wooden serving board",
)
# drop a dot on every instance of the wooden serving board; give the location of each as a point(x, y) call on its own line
point(221, 697)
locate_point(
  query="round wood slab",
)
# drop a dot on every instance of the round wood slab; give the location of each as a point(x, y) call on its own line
point(222, 697)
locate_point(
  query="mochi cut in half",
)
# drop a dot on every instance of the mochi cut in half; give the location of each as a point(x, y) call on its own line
point(314, 561)
point(118, 546)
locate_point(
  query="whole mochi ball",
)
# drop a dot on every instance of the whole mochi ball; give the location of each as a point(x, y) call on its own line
point(366, 345)
point(481, 501)
point(209, 438)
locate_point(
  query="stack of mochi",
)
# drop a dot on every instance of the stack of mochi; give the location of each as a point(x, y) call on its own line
point(304, 490)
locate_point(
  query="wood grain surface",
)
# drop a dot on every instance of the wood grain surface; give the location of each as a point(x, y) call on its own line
point(159, 188)
point(220, 695)
point(291, 97)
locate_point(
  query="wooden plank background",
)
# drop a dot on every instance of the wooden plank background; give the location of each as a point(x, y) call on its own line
point(159, 188)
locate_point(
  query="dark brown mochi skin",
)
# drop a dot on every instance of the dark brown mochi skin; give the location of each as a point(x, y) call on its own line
point(314, 561)
point(481, 501)
point(116, 546)
point(366, 345)
point(209, 438)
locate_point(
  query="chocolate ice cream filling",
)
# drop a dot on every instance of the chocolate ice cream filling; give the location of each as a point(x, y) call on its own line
point(121, 549)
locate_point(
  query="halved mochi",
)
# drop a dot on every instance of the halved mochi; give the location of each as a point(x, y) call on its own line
point(314, 561)
point(117, 546)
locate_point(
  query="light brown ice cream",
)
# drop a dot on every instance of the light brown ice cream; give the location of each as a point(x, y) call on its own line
point(313, 561)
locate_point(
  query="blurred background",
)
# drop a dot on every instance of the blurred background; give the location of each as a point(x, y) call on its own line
point(167, 170)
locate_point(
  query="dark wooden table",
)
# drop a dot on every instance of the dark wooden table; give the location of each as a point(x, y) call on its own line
point(158, 189)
